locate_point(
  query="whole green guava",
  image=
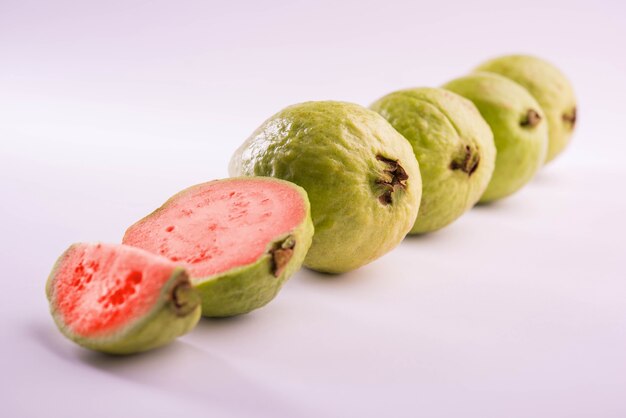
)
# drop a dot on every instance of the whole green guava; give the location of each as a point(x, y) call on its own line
point(360, 174)
point(549, 86)
point(453, 145)
point(519, 129)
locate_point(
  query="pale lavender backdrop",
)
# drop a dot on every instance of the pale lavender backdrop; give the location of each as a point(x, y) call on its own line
point(109, 107)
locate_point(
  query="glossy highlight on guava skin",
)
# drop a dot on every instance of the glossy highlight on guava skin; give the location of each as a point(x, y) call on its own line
point(360, 174)
point(519, 129)
point(120, 300)
point(240, 239)
point(453, 145)
point(550, 87)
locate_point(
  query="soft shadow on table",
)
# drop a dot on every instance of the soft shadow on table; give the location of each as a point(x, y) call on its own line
point(178, 369)
point(229, 328)
point(497, 205)
point(548, 176)
point(378, 268)
point(516, 207)
point(451, 232)
point(229, 322)
point(354, 277)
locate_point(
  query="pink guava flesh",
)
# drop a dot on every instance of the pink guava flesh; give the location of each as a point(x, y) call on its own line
point(216, 226)
point(98, 288)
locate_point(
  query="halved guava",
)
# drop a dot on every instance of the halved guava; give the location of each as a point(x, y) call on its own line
point(120, 299)
point(240, 239)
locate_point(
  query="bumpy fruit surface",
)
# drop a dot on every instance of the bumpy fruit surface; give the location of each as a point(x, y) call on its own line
point(453, 145)
point(519, 129)
point(240, 239)
point(549, 86)
point(119, 299)
point(360, 174)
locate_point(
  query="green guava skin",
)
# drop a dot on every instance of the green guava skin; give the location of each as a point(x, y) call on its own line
point(519, 129)
point(165, 322)
point(246, 288)
point(549, 86)
point(453, 145)
point(361, 176)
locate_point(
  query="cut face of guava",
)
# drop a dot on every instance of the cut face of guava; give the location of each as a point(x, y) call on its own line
point(519, 129)
point(120, 299)
point(453, 145)
point(240, 239)
point(549, 86)
point(360, 174)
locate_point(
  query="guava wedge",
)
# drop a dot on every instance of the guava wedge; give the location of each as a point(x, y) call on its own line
point(519, 128)
point(120, 299)
point(550, 87)
point(453, 145)
point(361, 176)
point(240, 239)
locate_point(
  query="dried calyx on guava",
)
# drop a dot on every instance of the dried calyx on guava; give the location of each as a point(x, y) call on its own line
point(453, 145)
point(519, 129)
point(120, 299)
point(549, 86)
point(240, 239)
point(361, 176)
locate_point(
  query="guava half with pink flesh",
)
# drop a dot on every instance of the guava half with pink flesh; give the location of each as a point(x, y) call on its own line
point(120, 299)
point(240, 239)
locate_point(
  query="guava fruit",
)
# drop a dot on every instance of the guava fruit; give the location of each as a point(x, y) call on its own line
point(361, 176)
point(519, 129)
point(240, 239)
point(453, 145)
point(120, 299)
point(549, 86)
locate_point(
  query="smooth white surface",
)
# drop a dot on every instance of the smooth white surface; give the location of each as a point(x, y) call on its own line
point(516, 310)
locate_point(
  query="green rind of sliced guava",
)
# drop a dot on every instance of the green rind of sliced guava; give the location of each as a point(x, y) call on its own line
point(246, 288)
point(550, 87)
point(521, 150)
point(160, 326)
point(443, 128)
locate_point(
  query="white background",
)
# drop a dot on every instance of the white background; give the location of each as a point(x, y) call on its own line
point(109, 107)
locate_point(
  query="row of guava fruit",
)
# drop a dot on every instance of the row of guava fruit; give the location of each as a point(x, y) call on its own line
point(331, 185)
